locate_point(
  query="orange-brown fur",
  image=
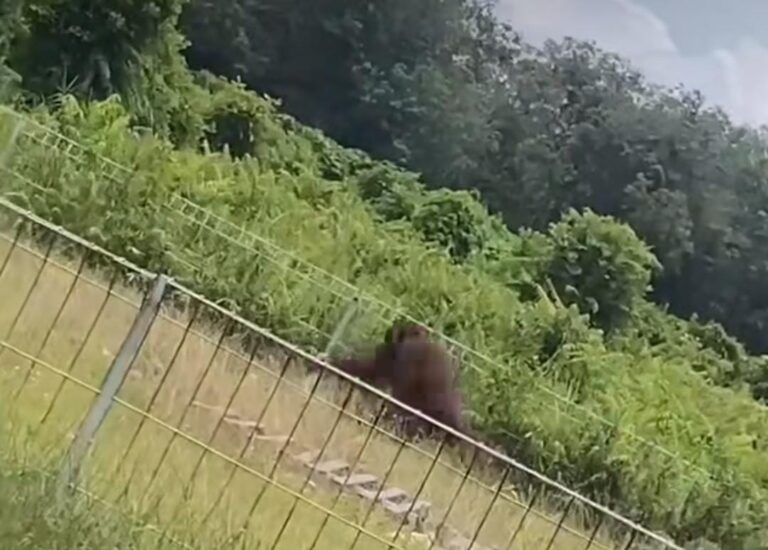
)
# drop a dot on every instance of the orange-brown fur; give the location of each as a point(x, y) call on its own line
point(419, 372)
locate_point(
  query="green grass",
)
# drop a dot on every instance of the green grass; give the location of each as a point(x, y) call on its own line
point(29, 520)
point(175, 494)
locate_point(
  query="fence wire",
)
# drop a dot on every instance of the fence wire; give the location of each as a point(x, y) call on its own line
point(223, 433)
point(332, 296)
point(317, 299)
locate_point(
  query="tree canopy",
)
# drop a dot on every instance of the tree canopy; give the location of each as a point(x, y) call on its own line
point(444, 88)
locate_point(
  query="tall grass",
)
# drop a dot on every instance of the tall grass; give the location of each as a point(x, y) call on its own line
point(28, 519)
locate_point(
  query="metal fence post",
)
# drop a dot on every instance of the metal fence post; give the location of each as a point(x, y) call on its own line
point(116, 374)
point(338, 332)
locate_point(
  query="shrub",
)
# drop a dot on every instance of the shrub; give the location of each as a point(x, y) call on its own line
point(392, 194)
point(599, 265)
point(455, 221)
point(736, 366)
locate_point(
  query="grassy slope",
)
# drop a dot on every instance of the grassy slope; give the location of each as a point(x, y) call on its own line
point(715, 438)
point(117, 463)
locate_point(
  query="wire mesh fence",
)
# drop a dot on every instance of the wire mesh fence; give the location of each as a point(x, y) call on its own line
point(318, 300)
point(298, 300)
point(218, 432)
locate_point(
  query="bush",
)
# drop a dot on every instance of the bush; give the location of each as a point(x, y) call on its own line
point(599, 265)
point(736, 366)
point(455, 221)
point(392, 194)
point(706, 347)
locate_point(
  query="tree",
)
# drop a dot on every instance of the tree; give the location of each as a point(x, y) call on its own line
point(445, 89)
point(96, 49)
point(378, 76)
point(11, 27)
point(90, 46)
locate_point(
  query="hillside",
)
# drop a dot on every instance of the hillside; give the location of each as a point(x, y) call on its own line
point(670, 423)
point(446, 89)
point(581, 378)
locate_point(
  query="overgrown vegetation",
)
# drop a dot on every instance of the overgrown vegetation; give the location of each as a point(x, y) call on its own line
point(684, 447)
point(444, 88)
point(31, 518)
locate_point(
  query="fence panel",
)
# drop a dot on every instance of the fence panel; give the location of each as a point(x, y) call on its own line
point(225, 433)
point(298, 300)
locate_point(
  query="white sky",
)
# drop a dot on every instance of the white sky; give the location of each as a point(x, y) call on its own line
point(710, 45)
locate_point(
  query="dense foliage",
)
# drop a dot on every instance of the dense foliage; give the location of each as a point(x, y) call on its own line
point(442, 87)
point(601, 266)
